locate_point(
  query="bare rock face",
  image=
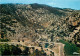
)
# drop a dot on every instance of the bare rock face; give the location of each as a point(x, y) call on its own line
point(36, 20)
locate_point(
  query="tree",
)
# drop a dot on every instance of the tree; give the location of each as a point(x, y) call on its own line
point(6, 49)
point(6, 23)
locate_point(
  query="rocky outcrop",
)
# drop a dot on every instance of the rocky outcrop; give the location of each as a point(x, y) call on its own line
point(37, 19)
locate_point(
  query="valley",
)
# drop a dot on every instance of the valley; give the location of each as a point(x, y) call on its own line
point(40, 27)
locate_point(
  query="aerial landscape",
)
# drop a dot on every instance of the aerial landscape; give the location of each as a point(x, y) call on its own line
point(39, 29)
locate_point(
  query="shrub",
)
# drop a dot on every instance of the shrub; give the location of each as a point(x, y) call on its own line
point(69, 47)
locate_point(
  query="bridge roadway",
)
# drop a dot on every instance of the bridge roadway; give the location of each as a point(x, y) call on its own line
point(22, 43)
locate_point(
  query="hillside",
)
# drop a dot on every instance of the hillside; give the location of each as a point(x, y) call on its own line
point(38, 21)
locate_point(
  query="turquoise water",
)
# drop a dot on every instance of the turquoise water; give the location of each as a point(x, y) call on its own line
point(46, 45)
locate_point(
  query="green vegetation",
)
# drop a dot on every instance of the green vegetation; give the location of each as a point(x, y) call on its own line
point(6, 19)
point(38, 53)
point(4, 40)
point(26, 51)
point(69, 47)
point(49, 8)
point(6, 23)
point(6, 49)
